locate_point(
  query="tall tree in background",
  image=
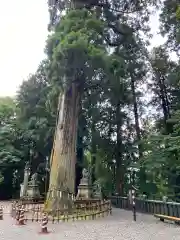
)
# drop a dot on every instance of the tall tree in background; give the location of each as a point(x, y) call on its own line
point(11, 155)
point(36, 117)
point(170, 24)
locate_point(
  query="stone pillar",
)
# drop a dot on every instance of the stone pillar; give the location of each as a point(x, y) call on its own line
point(26, 178)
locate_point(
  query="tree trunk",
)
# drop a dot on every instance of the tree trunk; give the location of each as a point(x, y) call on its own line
point(164, 99)
point(93, 152)
point(63, 157)
point(142, 173)
point(80, 156)
point(136, 115)
point(119, 166)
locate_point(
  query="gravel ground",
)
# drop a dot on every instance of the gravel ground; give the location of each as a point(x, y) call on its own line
point(119, 226)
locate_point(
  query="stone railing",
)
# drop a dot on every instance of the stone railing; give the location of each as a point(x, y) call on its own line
point(148, 206)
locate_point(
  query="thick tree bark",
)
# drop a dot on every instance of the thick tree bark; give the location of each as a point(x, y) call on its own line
point(63, 158)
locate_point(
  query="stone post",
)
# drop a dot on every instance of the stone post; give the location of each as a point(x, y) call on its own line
point(26, 178)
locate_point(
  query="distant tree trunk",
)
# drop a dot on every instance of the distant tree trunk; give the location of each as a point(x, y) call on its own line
point(164, 99)
point(142, 173)
point(63, 158)
point(136, 115)
point(93, 152)
point(119, 166)
point(36, 161)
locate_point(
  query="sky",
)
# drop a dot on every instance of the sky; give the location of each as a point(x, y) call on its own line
point(23, 32)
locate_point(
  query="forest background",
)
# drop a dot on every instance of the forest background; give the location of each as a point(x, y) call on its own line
point(129, 116)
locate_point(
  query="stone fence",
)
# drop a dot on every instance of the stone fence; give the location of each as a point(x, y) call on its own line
point(148, 206)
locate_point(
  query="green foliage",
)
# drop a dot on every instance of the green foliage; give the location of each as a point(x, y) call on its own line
point(1, 178)
point(178, 13)
point(72, 52)
point(170, 24)
point(27, 125)
point(10, 154)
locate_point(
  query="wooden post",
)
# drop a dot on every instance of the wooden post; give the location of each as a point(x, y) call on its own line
point(134, 204)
